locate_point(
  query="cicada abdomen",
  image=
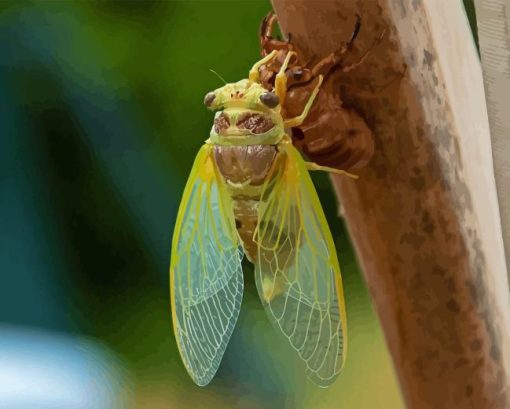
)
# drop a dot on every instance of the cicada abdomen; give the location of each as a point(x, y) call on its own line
point(245, 169)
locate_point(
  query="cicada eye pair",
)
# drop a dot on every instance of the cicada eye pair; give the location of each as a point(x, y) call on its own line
point(269, 99)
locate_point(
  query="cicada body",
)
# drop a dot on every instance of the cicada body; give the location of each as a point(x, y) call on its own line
point(250, 194)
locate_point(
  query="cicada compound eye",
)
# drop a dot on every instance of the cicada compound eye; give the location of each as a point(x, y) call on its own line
point(209, 98)
point(298, 74)
point(270, 99)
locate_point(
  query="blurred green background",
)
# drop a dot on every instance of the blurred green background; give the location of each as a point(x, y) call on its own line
point(101, 116)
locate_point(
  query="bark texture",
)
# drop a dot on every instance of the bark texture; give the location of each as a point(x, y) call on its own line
point(424, 214)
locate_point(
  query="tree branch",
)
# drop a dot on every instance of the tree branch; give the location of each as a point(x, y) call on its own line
point(424, 215)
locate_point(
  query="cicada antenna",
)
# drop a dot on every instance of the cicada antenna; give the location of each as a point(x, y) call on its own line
point(218, 75)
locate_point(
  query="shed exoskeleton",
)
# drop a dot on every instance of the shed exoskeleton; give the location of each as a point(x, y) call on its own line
point(332, 135)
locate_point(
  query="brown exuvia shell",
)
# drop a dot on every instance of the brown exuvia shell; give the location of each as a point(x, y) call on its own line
point(331, 135)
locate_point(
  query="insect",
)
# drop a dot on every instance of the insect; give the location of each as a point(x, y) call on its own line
point(250, 194)
point(332, 134)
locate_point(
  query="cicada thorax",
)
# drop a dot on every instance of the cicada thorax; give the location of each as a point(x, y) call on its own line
point(245, 170)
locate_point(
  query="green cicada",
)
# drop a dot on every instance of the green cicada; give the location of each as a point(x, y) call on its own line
point(250, 194)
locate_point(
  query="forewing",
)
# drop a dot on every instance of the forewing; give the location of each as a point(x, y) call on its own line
point(206, 278)
point(297, 270)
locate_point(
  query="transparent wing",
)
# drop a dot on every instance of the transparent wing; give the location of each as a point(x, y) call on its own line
point(206, 278)
point(297, 270)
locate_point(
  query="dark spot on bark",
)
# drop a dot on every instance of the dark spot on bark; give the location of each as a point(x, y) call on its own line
point(418, 182)
point(426, 220)
point(472, 291)
point(412, 58)
point(460, 362)
point(255, 123)
point(452, 305)
point(476, 345)
point(469, 390)
point(221, 123)
point(413, 239)
point(450, 283)
point(239, 224)
point(436, 82)
point(428, 58)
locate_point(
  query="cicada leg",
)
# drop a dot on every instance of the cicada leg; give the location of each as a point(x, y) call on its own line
point(325, 65)
point(266, 27)
point(315, 166)
point(355, 31)
point(364, 56)
point(267, 42)
point(280, 82)
point(254, 74)
point(298, 120)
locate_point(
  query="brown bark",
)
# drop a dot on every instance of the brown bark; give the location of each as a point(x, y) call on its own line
point(423, 216)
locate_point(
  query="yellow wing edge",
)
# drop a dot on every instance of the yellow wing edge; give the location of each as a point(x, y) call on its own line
point(297, 160)
point(204, 168)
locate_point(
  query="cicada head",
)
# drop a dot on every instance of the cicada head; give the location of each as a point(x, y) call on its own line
point(249, 114)
point(242, 94)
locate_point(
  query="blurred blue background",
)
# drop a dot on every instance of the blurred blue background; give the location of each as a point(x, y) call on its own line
point(101, 116)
